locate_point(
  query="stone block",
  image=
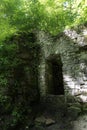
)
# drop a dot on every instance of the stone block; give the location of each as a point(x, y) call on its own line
point(73, 112)
point(40, 120)
point(49, 122)
point(76, 104)
point(85, 107)
point(44, 121)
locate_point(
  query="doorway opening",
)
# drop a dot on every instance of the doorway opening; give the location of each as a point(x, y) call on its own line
point(54, 76)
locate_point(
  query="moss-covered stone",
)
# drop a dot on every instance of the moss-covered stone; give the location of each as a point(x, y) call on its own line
point(73, 112)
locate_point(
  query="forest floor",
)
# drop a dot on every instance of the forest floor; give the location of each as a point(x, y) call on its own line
point(80, 123)
point(63, 123)
point(57, 116)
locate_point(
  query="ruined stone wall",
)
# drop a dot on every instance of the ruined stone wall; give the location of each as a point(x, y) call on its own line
point(72, 48)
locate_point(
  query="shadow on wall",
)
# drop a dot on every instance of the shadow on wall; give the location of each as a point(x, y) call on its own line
point(53, 74)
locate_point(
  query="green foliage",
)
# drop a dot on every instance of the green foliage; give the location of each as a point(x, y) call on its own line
point(48, 15)
point(7, 62)
point(17, 93)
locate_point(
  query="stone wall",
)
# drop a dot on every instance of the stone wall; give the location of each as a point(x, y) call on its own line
point(71, 46)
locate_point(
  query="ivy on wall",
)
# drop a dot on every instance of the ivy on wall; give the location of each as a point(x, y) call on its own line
point(18, 81)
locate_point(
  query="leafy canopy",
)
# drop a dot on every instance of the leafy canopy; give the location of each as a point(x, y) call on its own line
point(48, 15)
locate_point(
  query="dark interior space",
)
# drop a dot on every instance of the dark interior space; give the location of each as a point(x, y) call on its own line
point(54, 77)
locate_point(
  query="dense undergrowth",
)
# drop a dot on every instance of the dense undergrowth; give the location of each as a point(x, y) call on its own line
point(18, 84)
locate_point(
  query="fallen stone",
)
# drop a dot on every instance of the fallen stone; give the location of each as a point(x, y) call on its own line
point(84, 107)
point(49, 121)
point(76, 104)
point(74, 111)
point(40, 120)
